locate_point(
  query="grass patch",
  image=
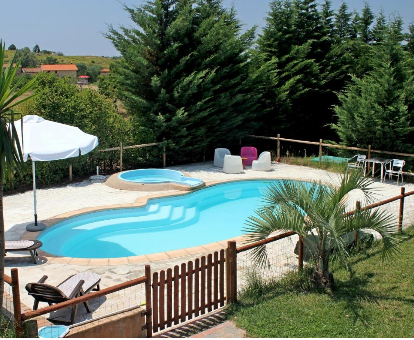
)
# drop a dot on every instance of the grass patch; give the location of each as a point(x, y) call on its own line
point(373, 300)
point(307, 161)
point(7, 329)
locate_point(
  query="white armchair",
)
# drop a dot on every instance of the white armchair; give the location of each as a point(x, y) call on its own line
point(219, 156)
point(395, 169)
point(263, 163)
point(232, 164)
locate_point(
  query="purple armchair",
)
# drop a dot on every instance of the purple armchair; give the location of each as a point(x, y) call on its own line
point(250, 153)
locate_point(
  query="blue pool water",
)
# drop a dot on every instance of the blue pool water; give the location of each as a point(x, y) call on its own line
point(148, 176)
point(208, 215)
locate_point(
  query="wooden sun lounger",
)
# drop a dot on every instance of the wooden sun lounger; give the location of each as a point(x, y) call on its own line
point(74, 286)
point(24, 245)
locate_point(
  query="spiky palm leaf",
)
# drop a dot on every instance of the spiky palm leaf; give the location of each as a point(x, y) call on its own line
point(11, 157)
point(10, 150)
point(317, 212)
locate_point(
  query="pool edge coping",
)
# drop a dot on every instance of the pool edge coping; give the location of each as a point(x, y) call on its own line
point(140, 259)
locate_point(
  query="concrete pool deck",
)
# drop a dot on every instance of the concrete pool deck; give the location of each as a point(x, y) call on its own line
point(52, 202)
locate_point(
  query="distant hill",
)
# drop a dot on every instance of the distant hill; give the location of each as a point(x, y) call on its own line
point(87, 60)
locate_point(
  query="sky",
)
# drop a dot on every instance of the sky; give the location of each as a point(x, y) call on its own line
point(76, 27)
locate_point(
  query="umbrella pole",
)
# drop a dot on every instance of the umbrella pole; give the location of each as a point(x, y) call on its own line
point(34, 192)
point(35, 226)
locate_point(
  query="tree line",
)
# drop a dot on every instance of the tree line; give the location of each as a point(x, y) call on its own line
point(189, 74)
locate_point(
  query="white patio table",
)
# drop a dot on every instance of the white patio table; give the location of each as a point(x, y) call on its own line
point(376, 160)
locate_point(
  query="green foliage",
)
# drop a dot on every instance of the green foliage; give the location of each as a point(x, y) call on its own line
point(377, 109)
point(36, 49)
point(107, 85)
point(27, 57)
point(82, 68)
point(45, 52)
point(10, 98)
point(295, 50)
point(316, 212)
point(184, 75)
point(59, 100)
point(50, 60)
point(12, 47)
point(93, 72)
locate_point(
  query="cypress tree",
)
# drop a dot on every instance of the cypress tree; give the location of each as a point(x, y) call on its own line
point(184, 74)
point(380, 28)
point(409, 37)
point(377, 109)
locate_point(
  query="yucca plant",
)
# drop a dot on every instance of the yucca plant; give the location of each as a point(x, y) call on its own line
point(11, 158)
point(316, 211)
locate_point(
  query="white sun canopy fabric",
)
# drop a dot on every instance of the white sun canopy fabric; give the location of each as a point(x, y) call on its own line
point(44, 140)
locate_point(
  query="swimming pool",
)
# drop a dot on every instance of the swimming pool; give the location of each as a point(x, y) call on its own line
point(149, 176)
point(208, 215)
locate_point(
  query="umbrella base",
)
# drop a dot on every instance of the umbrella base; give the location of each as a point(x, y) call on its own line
point(39, 227)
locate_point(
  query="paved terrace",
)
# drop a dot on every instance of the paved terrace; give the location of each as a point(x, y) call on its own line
point(18, 211)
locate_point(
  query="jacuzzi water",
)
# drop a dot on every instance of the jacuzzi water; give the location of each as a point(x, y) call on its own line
point(148, 176)
point(208, 215)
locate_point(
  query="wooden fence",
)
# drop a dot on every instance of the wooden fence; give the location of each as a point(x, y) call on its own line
point(193, 289)
point(121, 149)
point(321, 144)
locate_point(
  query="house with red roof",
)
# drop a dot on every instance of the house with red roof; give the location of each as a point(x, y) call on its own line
point(61, 70)
point(19, 69)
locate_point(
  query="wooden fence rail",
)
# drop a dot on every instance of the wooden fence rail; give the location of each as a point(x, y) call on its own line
point(335, 146)
point(121, 149)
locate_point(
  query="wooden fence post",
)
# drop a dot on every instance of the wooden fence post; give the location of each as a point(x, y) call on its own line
point(357, 208)
point(320, 152)
point(369, 156)
point(16, 302)
point(278, 146)
point(120, 156)
point(401, 215)
point(300, 257)
point(231, 272)
point(70, 172)
point(148, 305)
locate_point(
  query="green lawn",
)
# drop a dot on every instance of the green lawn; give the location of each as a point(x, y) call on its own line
point(376, 301)
point(329, 166)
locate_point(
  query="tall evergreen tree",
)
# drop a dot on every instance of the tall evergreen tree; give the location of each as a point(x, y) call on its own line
point(409, 37)
point(364, 24)
point(343, 28)
point(377, 109)
point(184, 73)
point(296, 42)
point(380, 28)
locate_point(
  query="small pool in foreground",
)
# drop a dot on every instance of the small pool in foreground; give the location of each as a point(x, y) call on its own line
point(158, 176)
point(208, 215)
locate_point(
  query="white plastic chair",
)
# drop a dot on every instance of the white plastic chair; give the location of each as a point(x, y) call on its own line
point(263, 163)
point(232, 164)
point(219, 154)
point(395, 169)
point(358, 163)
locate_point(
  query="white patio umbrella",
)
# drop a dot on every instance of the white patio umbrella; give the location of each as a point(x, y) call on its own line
point(43, 140)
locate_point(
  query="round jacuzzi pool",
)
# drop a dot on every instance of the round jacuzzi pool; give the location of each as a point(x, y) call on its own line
point(158, 176)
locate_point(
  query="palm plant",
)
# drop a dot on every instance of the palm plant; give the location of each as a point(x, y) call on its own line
point(11, 158)
point(317, 213)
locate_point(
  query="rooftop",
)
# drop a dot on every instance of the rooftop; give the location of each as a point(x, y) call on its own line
point(59, 67)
